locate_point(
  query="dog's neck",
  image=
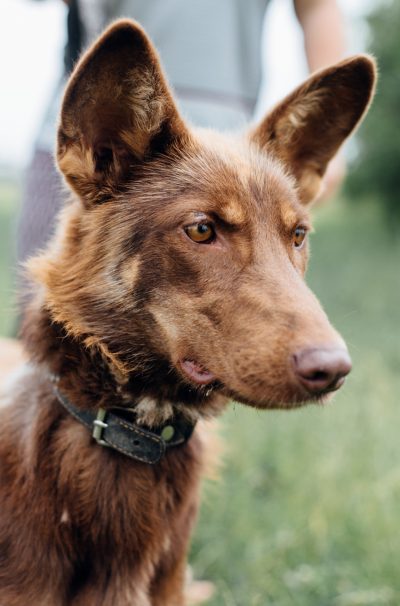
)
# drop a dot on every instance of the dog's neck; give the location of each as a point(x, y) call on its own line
point(88, 378)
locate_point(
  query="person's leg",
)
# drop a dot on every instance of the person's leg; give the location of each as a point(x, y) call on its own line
point(43, 196)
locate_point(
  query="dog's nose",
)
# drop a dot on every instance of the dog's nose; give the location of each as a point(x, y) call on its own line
point(321, 370)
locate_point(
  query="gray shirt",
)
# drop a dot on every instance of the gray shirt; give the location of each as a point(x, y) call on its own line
point(210, 49)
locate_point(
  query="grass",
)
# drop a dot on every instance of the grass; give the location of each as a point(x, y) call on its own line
point(9, 203)
point(306, 512)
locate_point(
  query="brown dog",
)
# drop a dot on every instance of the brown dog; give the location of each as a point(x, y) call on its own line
point(174, 283)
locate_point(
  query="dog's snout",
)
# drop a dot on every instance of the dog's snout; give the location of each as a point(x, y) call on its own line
point(321, 370)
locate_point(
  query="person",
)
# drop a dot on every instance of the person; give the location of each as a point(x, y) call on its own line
point(212, 54)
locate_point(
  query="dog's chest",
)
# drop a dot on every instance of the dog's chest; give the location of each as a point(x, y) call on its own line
point(127, 504)
point(141, 518)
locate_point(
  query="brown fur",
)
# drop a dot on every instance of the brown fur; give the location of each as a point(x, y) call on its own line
point(124, 295)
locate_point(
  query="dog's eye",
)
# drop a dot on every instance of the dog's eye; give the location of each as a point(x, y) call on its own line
point(203, 233)
point(299, 236)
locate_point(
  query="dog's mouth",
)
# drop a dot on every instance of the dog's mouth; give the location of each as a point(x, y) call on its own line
point(196, 372)
point(294, 397)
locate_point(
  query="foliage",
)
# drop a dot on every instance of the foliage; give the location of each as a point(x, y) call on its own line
point(378, 169)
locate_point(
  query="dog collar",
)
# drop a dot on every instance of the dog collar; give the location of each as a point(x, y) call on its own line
point(110, 428)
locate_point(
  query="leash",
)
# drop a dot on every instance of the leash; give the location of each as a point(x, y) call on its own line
point(111, 429)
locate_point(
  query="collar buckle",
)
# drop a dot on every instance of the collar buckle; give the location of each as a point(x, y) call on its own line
point(135, 441)
point(99, 426)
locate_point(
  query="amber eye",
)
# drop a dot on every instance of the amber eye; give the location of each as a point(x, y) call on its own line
point(299, 236)
point(203, 233)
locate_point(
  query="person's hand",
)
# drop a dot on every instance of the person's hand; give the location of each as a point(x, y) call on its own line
point(197, 592)
point(333, 178)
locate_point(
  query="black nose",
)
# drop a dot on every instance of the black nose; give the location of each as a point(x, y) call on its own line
point(321, 370)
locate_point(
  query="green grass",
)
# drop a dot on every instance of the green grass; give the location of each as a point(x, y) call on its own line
point(306, 512)
point(9, 202)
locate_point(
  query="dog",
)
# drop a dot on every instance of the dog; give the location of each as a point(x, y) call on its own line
point(174, 284)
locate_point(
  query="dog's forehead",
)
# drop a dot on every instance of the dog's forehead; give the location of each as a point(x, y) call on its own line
point(219, 174)
point(238, 179)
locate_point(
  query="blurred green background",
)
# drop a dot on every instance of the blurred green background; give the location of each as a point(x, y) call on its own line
point(10, 194)
point(307, 508)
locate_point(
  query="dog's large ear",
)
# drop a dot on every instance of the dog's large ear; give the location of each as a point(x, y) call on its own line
point(117, 111)
point(307, 128)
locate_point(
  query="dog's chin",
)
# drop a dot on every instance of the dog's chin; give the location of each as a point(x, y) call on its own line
point(285, 402)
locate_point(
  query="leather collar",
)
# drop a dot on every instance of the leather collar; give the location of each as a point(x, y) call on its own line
point(112, 429)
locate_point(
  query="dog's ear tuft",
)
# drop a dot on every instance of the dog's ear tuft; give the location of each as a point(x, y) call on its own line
point(117, 111)
point(307, 128)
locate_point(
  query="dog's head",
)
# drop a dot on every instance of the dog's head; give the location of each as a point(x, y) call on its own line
point(184, 251)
